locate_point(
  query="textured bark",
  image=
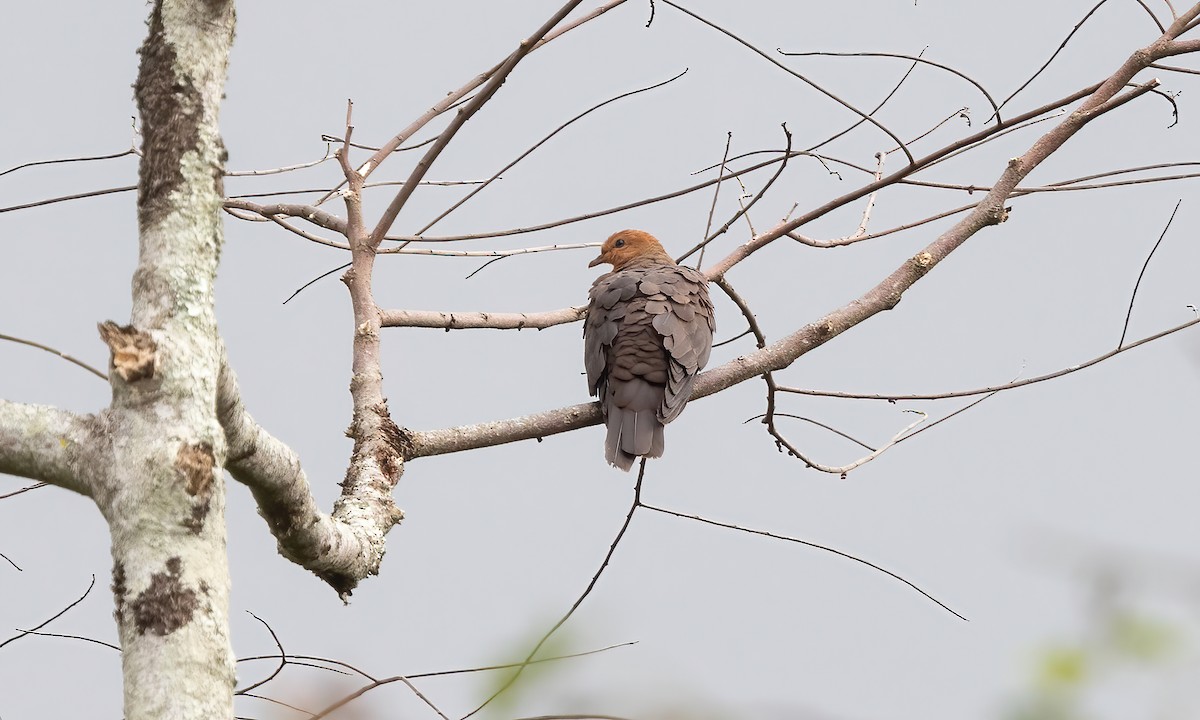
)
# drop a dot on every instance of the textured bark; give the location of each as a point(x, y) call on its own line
point(53, 446)
point(341, 549)
point(164, 495)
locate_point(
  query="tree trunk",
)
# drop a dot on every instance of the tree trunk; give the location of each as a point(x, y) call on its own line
point(163, 493)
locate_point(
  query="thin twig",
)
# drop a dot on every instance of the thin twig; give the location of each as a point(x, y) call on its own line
point(538, 144)
point(795, 74)
point(819, 424)
point(68, 198)
point(806, 543)
point(1138, 284)
point(994, 388)
point(329, 155)
point(63, 636)
point(443, 673)
point(712, 208)
point(59, 353)
point(54, 617)
point(1175, 68)
point(460, 118)
point(35, 486)
point(1055, 54)
point(915, 58)
point(283, 658)
point(744, 209)
point(111, 156)
point(637, 501)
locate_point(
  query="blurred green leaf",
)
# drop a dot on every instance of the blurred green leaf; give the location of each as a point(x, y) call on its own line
point(1141, 638)
point(1062, 668)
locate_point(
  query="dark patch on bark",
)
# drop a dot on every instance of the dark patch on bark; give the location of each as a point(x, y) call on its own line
point(119, 590)
point(195, 465)
point(166, 605)
point(171, 112)
point(133, 351)
point(404, 443)
point(194, 522)
point(389, 453)
point(342, 584)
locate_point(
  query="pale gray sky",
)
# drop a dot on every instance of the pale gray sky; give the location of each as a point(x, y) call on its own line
point(499, 542)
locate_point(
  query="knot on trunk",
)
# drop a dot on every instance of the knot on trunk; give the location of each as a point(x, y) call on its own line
point(133, 351)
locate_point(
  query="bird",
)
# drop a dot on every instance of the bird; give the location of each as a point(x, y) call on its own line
point(648, 333)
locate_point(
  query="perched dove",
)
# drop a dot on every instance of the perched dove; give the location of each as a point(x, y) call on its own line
point(648, 332)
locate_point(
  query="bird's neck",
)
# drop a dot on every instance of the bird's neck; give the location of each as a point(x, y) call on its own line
point(655, 258)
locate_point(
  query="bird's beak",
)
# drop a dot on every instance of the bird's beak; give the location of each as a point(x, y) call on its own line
point(598, 261)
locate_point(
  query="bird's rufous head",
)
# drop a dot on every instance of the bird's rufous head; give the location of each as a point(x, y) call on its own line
point(627, 246)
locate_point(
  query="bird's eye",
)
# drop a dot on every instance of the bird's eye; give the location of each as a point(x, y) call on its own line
point(619, 243)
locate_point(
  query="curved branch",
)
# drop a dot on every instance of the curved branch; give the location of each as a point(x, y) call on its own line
point(914, 58)
point(862, 115)
point(993, 388)
point(341, 549)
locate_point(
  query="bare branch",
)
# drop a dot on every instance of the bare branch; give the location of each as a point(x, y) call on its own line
point(316, 216)
point(744, 209)
point(460, 118)
point(993, 388)
point(27, 488)
point(111, 156)
point(840, 470)
point(637, 502)
point(712, 208)
point(57, 615)
point(342, 549)
point(1174, 68)
point(1142, 273)
point(454, 97)
point(914, 58)
point(864, 116)
point(59, 353)
point(283, 659)
point(53, 446)
point(806, 543)
point(538, 144)
point(1056, 52)
point(329, 155)
point(476, 320)
point(884, 296)
point(443, 673)
point(68, 198)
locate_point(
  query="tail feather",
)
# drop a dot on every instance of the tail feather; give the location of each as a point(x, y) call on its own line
point(632, 433)
point(613, 452)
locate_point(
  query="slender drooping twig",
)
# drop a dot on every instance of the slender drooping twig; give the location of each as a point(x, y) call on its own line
point(1142, 273)
point(59, 353)
point(914, 58)
point(994, 388)
point(612, 548)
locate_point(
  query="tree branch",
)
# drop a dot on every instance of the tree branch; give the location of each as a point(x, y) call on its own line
point(884, 296)
point(52, 446)
point(460, 118)
point(342, 549)
point(475, 320)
